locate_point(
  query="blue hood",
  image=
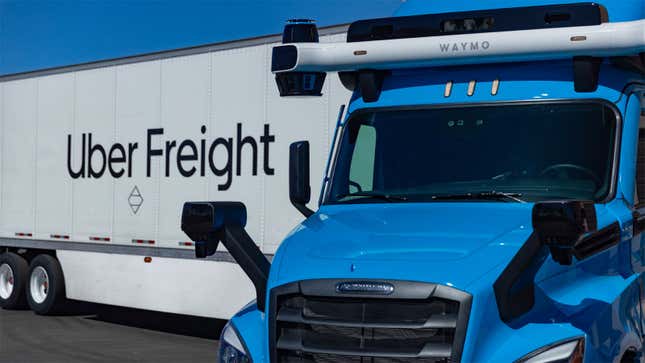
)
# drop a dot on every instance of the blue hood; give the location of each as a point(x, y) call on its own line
point(447, 243)
point(450, 243)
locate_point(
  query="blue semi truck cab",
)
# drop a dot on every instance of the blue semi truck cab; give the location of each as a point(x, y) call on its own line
point(484, 200)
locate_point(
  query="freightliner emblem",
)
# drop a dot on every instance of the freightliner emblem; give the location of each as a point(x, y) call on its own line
point(365, 287)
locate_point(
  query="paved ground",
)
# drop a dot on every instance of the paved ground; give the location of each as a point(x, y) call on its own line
point(94, 333)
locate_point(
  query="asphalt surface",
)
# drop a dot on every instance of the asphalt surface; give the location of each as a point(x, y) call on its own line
point(91, 333)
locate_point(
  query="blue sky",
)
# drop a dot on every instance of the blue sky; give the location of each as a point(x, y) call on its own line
point(43, 34)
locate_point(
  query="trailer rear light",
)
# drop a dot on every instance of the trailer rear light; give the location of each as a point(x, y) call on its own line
point(143, 241)
point(186, 244)
point(24, 234)
point(59, 236)
point(100, 239)
point(147, 259)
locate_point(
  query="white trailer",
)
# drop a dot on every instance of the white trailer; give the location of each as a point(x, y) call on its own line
point(97, 159)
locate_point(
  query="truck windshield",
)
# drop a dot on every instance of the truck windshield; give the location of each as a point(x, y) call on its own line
point(506, 153)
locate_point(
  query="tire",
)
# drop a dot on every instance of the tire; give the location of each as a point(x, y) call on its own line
point(13, 278)
point(45, 285)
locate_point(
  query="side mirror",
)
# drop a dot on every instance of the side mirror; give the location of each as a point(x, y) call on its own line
point(562, 228)
point(299, 186)
point(561, 225)
point(204, 223)
point(208, 223)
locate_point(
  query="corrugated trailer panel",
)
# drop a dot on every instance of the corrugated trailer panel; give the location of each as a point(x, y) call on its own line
point(53, 184)
point(185, 88)
point(238, 99)
point(18, 157)
point(138, 108)
point(94, 114)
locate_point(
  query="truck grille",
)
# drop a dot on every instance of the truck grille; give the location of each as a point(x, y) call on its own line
point(311, 322)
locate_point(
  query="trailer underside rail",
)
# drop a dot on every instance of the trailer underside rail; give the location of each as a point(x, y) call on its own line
point(188, 254)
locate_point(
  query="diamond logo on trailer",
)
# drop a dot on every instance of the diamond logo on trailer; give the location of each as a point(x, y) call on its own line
point(135, 200)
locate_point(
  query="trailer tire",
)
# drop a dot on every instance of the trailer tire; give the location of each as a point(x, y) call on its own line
point(45, 285)
point(13, 278)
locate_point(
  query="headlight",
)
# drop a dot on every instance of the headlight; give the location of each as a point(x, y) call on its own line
point(569, 351)
point(231, 349)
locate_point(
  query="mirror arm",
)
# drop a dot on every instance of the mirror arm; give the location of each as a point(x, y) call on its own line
point(252, 260)
point(515, 287)
point(303, 209)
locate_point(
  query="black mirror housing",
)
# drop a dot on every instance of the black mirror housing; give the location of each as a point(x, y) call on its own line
point(299, 184)
point(204, 223)
point(560, 225)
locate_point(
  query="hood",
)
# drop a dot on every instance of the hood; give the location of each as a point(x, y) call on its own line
point(447, 243)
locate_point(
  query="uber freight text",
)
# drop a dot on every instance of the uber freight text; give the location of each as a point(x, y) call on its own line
point(186, 157)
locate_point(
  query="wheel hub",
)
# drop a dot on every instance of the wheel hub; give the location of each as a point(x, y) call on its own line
point(39, 284)
point(6, 281)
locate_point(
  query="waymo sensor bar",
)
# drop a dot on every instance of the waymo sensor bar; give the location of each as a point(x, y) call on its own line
point(604, 40)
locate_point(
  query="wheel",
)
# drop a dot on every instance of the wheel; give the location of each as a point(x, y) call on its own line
point(13, 278)
point(46, 285)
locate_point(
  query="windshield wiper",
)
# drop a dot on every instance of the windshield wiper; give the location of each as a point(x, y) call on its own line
point(492, 195)
point(376, 195)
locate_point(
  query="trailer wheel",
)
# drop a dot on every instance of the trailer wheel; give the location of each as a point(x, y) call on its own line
point(46, 285)
point(13, 278)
